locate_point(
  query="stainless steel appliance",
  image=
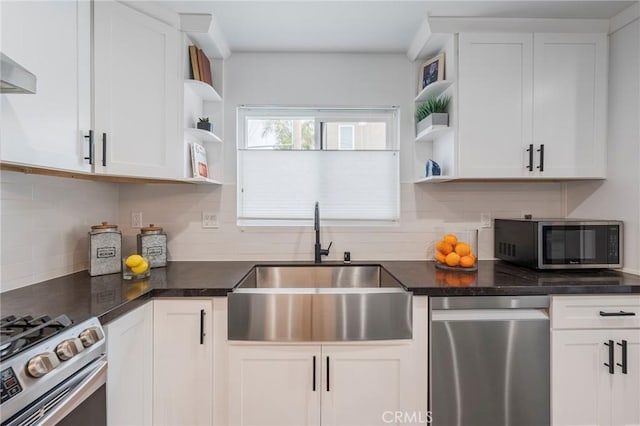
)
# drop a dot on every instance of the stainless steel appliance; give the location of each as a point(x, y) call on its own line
point(52, 371)
point(490, 361)
point(559, 243)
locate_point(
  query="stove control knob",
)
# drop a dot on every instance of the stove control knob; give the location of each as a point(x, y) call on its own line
point(69, 348)
point(41, 364)
point(91, 336)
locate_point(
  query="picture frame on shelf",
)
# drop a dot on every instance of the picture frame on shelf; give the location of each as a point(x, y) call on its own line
point(431, 71)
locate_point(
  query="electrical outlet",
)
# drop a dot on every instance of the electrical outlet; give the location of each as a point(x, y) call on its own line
point(209, 220)
point(136, 219)
point(485, 220)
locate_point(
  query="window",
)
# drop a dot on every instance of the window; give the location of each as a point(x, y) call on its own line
point(344, 158)
point(345, 136)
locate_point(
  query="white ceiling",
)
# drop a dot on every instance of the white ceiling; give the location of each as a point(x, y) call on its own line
point(363, 26)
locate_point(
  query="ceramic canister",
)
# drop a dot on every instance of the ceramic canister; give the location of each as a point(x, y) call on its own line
point(105, 249)
point(152, 244)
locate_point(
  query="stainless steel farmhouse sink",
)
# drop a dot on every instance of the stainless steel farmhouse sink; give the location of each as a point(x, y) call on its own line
point(320, 303)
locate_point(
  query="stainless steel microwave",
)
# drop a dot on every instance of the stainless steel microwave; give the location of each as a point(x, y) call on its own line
point(559, 243)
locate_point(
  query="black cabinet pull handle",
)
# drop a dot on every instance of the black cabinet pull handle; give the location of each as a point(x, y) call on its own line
point(314, 373)
point(530, 151)
point(104, 150)
point(328, 387)
point(624, 357)
point(617, 314)
point(541, 151)
point(610, 364)
point(90, 138)
point(202, 314)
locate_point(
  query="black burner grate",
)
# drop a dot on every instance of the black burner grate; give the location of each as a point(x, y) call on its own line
point(20, 333)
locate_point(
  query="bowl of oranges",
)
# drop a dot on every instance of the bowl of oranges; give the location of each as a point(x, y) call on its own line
point(457, 251)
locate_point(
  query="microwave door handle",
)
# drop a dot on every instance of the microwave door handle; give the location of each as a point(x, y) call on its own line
point(82, 391)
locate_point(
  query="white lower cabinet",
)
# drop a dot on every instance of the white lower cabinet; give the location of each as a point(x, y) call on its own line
point(364, 383)
point(182, 362)
point(584, 389)
point(274, 385)
point(129, 376)
point(324, 384)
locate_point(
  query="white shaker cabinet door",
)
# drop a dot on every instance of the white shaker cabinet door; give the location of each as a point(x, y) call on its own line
point(626, 388)
point(129, 376)
point(581, 385)
point(274, 385)
point(51, 39)
point(570, 104)
point(495, 98)
point(368, 384)
point(182, 362)
point(137, 93)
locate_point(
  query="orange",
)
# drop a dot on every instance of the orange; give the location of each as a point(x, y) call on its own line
point(473, 257)
point(444, 247)
point(463, 249)
point(467, 261)
point(451, 239)
point(452, 259)
point(440, 257)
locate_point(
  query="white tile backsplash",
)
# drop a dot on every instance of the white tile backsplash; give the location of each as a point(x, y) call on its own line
point(44, 225)
point(426, 212)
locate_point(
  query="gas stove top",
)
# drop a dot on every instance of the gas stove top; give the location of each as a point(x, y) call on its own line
point(40, 356)
point(18, 334)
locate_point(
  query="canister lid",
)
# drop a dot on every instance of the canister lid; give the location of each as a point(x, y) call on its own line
point(151, 229)
point(104, 225)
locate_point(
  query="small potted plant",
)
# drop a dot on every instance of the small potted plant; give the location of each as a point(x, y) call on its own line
point(432, 112)
point(204, 124)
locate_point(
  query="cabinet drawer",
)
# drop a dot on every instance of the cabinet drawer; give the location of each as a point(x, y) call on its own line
point(596, 311)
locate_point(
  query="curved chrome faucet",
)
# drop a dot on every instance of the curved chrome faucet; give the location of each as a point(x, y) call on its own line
point(319, 251)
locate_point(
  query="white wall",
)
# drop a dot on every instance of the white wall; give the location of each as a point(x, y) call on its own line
point(44, 223)
point(618, 197)
point(326, 80)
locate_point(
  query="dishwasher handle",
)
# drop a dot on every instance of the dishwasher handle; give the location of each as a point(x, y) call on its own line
point(489, 314)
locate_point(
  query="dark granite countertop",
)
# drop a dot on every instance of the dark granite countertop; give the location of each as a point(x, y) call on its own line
point(79, 296)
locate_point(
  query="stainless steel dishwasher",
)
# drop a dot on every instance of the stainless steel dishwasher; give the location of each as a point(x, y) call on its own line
point(490, 361)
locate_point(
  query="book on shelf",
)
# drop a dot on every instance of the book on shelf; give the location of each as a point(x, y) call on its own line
point(195, 65)
point(199, 161)
point(205, 68)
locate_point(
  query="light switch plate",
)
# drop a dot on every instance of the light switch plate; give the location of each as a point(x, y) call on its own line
point(136, 219)
point(485, 220)
point(209, 220)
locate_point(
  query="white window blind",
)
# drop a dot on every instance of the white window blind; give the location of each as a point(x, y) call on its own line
point(281, 177)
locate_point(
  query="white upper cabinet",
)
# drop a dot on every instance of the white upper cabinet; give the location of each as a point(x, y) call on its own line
point(51, 40)
point(495, 106)
point(137, 93)
point(570, 104)
point(532, 105)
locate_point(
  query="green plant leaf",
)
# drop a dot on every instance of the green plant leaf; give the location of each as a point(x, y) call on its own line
point(436, 104)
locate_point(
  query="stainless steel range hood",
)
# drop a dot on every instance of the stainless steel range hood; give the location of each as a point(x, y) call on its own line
point(14, 78)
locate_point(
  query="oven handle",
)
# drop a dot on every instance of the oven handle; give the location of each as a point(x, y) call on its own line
point(83, 390)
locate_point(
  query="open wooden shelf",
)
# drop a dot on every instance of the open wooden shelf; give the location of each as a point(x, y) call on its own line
point(435, 179)
point(202, 181)
point(202, 135)
point(432, 133)
point(205, 91)
point(434, 89)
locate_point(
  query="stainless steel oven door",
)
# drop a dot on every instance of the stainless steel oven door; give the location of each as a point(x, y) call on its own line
point(66, 399)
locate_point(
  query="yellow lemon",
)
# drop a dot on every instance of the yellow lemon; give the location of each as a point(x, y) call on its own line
point(141, 268)
point(133, 260)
